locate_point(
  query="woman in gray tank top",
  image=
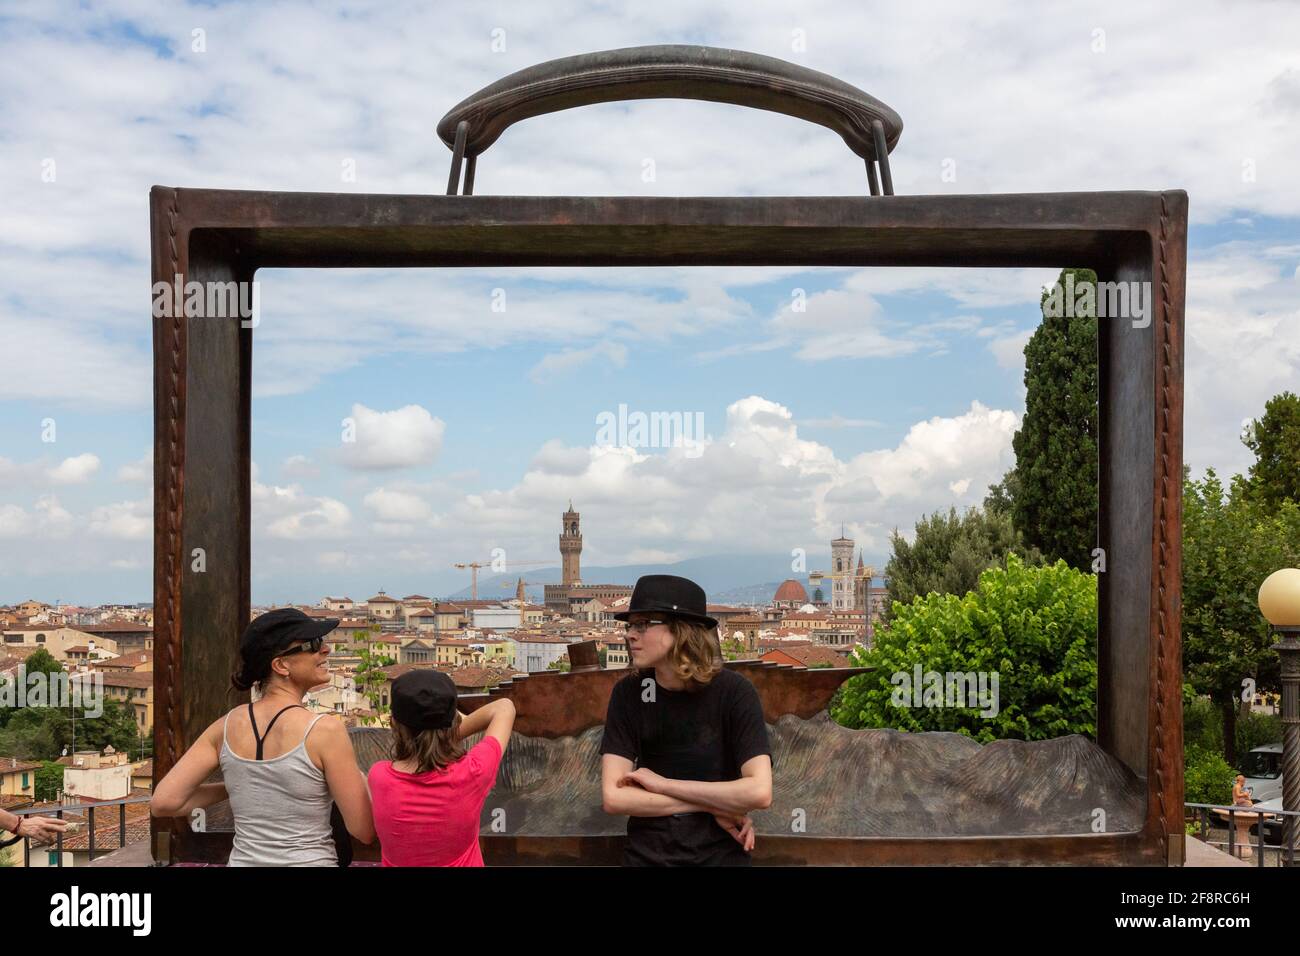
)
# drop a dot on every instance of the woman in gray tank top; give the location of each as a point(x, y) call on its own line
point(283, 768)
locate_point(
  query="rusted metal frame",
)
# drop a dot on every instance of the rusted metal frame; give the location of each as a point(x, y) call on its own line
point(993, 230)
point(211, 606)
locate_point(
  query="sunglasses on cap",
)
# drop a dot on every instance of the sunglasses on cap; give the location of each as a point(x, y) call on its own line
point(311, 646)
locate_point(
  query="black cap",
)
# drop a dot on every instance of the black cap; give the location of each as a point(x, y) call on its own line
point(269, 633)
point(668, 594)
point(424, 699)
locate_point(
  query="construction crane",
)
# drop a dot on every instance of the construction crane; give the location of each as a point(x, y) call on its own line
point(521, 583)
point(475, 565)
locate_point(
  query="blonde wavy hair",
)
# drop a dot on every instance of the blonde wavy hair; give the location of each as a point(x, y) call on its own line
point(696, 654)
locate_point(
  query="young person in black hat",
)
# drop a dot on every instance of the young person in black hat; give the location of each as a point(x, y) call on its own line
point(283, 769)
point(685, 753)
point(428, 799)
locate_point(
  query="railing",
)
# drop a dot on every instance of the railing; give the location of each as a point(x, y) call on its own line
point(1286, 851)
point(89, 810)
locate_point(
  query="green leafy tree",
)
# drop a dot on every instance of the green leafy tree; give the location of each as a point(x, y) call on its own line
point(949, 552)
point(1275, 440)
point(1054, 491)
point(31, 734)
point(39, 662)
point(1230, 544)
point(733, 649)
point(49, 781)
point(43, 662)
point(1035, 627)
point(369, 676)
point(116, 726)
point(1001, 498)
point(1207, 777)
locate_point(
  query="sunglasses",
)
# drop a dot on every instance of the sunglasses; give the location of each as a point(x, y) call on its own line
point(640, 627)
point(312, 646)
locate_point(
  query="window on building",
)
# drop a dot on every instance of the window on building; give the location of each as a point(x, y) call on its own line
point(24, 781)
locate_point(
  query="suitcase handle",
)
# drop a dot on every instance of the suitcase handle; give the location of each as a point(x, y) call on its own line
point(869, 127)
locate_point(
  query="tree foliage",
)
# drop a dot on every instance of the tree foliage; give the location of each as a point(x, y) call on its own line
point(1275, 440)
point(1035, 627)
point(949, 553)
point(1054, 489)
point(1230, 544)
point(49, 781)
point(42, 733)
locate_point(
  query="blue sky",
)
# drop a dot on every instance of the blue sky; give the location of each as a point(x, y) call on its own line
point(895, 393)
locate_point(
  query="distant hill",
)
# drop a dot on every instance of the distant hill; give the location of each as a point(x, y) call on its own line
point(726, 578)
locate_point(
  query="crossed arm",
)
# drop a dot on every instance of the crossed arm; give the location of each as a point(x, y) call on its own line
point(644, 793)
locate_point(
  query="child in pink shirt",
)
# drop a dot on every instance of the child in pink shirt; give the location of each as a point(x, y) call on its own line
point(428, 799)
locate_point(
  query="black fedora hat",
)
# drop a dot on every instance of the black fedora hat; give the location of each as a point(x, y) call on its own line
point(668, 594)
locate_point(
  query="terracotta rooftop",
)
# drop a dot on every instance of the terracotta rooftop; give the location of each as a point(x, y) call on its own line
point(810, 655)
point(16, 765)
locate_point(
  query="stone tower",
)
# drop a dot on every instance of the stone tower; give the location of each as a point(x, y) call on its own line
point(862, 586)
point(570, 548)
point(842, 573)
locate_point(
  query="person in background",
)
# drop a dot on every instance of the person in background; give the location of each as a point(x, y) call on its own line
point(429, 798)
point(283, 769)
point(685, 754)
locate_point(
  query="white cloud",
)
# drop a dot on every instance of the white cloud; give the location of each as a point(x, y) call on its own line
point(75, 471)
point(47, 519)
point(130, 520)
point(1009, 350)
point(299, 466)
point(138, 471)
point(397, 506)
point(287, 512)
point(758, 487)
point(559, 364)
point(1242, 347)
point(402, 438)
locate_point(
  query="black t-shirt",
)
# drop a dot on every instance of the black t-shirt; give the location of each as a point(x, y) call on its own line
point(707, 734)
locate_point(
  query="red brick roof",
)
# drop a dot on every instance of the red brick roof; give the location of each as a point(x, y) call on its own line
point(113, 625)
point(126, 661)
point(136, 679)
point(474, 678)
point(810, 654)
point(14, 765)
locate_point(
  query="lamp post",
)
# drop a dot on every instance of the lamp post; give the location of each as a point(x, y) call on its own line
point(1279, 602)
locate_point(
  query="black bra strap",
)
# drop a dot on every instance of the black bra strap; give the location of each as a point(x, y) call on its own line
point(261, 738)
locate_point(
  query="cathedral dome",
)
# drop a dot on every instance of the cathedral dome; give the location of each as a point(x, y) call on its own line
point(792, 591)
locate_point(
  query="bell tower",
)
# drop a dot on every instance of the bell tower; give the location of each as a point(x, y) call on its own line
point(842, 573)
point(570, 548)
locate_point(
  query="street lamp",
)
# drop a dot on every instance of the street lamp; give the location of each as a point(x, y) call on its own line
point(1279, 602)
